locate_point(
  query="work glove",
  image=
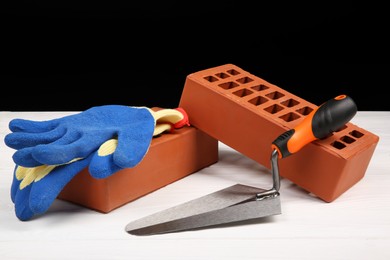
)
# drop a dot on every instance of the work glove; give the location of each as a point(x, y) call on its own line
point(103, 162)
point(62, 140)
point(34, 189)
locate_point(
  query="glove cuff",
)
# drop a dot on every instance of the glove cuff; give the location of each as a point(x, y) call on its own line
point(183, 122)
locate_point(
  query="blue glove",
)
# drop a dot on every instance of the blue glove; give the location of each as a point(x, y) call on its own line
point(103, 162)
point(35, 188)
point(62, 140)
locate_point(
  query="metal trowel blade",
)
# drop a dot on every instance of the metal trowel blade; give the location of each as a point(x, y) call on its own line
point(234, 204)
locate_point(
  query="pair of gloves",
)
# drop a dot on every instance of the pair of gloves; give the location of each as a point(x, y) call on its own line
point(106, 139)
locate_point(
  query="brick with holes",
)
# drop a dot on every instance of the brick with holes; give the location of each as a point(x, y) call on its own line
point(247, 113)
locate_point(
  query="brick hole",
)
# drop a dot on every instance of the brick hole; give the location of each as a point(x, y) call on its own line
point(222, 75)
point(356, 134)
point(228, 85)
point(260, 87)
point(290, 103)
point(305, 111)
point(273, 109)
point(338, 145)
point(233, 72)
point(347, 139)
point(289, 117)
point(245, 80)
point(275, 95)
point(258, 100)
point(210, 78)
point(242, 92)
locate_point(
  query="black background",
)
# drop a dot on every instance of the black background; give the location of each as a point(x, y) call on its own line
point(72, 55)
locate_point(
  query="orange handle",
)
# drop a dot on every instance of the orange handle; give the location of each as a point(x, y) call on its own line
point(327, 118)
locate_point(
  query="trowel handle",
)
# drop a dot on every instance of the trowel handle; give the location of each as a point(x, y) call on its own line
point(320, 123)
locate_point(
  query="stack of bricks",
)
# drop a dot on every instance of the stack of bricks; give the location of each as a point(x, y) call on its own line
point(247, 113)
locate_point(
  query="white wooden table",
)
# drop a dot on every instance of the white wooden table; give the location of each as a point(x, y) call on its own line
point(354, 226)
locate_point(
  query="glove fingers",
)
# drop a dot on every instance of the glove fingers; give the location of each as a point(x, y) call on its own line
point(22, 209)
point(14, 186)
point(29, 126)
point(20, 140)
point(102, 166)
point(46, 190)
point(23, 157)
point(20, 198)
point(69, 148)
point(133, 144)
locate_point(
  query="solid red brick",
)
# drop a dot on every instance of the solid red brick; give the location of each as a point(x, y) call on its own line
point(170, 157)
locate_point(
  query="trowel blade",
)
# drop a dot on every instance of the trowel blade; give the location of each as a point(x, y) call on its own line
point(230, 205)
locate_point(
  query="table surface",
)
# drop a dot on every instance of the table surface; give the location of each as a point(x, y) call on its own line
point(354, 226)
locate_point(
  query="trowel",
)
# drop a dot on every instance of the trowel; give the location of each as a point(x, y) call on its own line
point(239, 204)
